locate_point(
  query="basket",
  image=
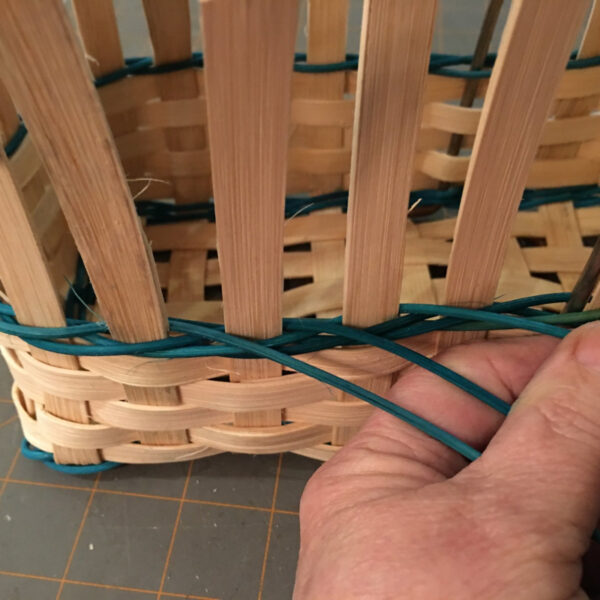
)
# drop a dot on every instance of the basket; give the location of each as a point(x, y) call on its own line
point(101, 376)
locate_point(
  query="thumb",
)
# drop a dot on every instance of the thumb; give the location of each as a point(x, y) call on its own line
point(547, 452)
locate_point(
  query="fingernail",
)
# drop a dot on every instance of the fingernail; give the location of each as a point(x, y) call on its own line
point(587, 350)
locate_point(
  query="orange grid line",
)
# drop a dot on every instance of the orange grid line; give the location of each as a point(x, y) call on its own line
point(100, 490)
point(96, 490)
point(58, 486)
point(29, 576)
point(175, 527)
point(136, 495)
point(8, 421)
point(269, 529)
point(225, 505)
point(77, 536)
point(188, 597)
point(9, 473)
point(5, 401)
point(105, 586)
point(279, 511)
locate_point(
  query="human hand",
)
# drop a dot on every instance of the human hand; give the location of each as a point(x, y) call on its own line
point(396, 514)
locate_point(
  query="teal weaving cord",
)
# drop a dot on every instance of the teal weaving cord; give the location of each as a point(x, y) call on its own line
point(303, 335)
point(447, 65)
point(157, 212)
point(198, 338)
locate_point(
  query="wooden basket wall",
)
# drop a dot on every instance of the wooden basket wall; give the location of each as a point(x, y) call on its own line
point(68, 189)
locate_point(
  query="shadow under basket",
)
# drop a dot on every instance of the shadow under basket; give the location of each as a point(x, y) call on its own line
point(115, 206)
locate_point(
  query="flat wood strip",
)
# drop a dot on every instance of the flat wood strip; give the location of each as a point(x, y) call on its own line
point(574, 83)
point(48, 221)
point(320, 161)
point(248, 133)
point(196, 235)
point(542, 173)
point(92, 192)
point(261, 440)
point(556, 259)
point(48, 429)
point(321, 452)
point(579, 83)
point(142, 143)
point(562, 232)
point(327, 24)
point(327, 113)
point(171, 111)
point(349, 363)
point(171, 164)
point(395, 55)
point(124, 453)
point(48, 77)
point(187, 112)
point(561, 222)
point(395, 45)
point(135, 370)
point(591, 46)
point(295, 265)
point(9, 120)
point(416, 279)
point(563, 172)
point(527, 224)
point(202, 235)
point(128, 94)
point(352, 413)
point(533, 51)
point(459, 119)
point(187, 275)
point(27, 280)
point(170, 31)
point(190, 235)
point(319, 297)
point(98, 30)
point(25, 167)
point(130, 416)
point(193, 375)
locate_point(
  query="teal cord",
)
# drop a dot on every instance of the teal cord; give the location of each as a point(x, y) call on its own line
point(157, 212)
point(194, 342)
point(197, 341)
point(28, 451)
point(15, 141)
point(341, 384)
point(460, 318)
point(447, 65)
point(202, 339)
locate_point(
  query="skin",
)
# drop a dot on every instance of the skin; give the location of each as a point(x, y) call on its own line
point(395, 514)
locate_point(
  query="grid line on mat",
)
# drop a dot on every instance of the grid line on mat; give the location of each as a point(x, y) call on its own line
point(270, 528)
point(8, 421)
point(175, 527)
point(78, 536)
point(148, 496)
point(103, 586)
point(9, 473)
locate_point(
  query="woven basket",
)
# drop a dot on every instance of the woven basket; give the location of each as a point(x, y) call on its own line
point(278, 125)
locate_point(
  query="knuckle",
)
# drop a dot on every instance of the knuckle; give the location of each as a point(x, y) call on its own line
point(566, 416)
point(314, 498)
point(506, 521)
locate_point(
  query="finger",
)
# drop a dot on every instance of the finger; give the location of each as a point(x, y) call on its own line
point(501, 366)
point(547, 453)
